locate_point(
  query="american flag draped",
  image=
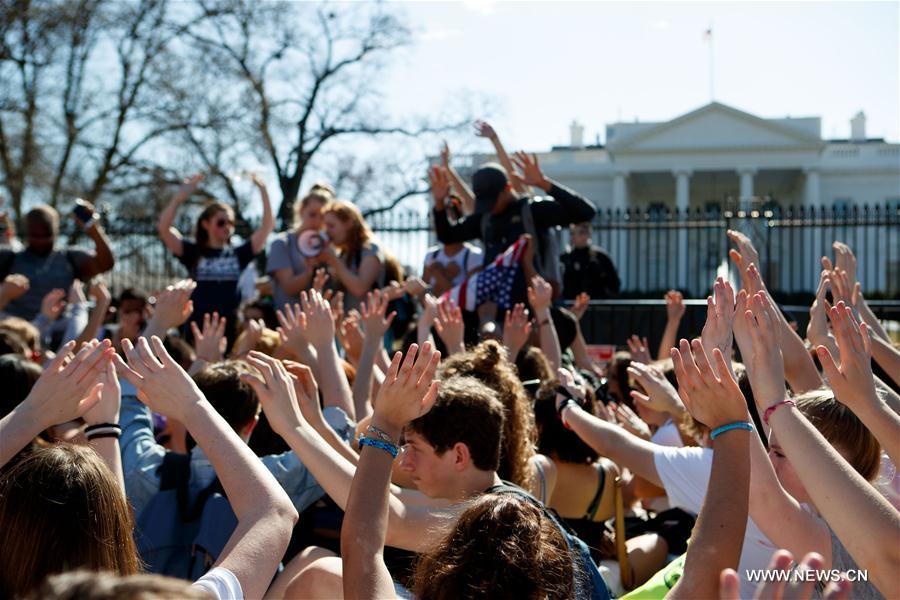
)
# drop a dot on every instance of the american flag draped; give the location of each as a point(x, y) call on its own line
point(494, 283)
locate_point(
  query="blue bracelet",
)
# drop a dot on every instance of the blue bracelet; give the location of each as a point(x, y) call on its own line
point(386, 446)
point(737, 425)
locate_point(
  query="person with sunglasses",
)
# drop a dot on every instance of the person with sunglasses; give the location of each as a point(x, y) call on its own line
point(212, 260)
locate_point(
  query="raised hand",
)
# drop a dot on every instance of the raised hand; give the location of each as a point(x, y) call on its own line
point(540, 294)
point(53, 304)
point(293, 328)
point(107, 409)
point(845, 260)
point(484, 129)
point(100, 293)
point(373, 317)
point(409, 389)
point(445, 155)
point(250, 338)
point(852, 381)
point(764, 359)
point(210, 342)
point(440, 186)
point(840, 287)
point(631, 422)
point(161, 382)
point(173, 306)
point(306, 390)
point(351, 337)
point(717, 331)
point(319, 321)
point(783, 586)
point(639, 351)
point(450, 327)
point(531, 170)
point(709, 392)
point(275, 390)
point(817, 329)
point(674, 305)
point(336, 302)
point(660, 395)
point(580, 306)
point(190, 183)
point(14, 286)
point(744, 255)
point(320, 279)
point(70, 385)
point(516, 329)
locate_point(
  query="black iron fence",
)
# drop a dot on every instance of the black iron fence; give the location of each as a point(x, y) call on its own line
point(654, 250)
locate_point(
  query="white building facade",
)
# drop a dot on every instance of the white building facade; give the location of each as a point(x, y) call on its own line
point(725, 163)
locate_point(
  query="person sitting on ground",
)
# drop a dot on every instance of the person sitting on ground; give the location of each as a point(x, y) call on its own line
point(501, 545)
point(447, 462)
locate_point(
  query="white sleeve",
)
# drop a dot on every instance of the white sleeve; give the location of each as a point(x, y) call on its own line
point(221, 584)
point(685, 475)
point(475, 260)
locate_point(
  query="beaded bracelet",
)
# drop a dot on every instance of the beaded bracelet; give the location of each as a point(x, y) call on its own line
point(386, 446)
point(380, 433)
point(775, 407)
point(737, 425)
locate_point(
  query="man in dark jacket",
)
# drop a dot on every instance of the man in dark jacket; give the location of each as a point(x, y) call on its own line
point(587, 268)
point(501, 217)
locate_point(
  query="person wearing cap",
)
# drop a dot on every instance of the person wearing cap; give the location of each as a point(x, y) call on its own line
point(499, 218)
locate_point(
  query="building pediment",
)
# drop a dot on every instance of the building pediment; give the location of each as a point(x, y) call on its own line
point(716, 127)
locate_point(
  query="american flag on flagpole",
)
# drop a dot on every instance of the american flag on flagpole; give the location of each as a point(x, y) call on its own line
point(494, 283)
point(707, 35)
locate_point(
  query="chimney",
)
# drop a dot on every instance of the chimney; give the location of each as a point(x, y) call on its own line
point(576, 135)
point(858, 127)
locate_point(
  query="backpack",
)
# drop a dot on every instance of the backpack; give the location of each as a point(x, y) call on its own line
point(177, 537)
point(591, 583)
point(546, 256)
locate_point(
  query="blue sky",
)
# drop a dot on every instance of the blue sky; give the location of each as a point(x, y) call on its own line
point(544, 64)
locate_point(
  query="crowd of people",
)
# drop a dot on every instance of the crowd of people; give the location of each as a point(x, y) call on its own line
point(358, 431)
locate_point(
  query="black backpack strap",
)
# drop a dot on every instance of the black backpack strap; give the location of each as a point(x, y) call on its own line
point(174, 474)
point(213, 488)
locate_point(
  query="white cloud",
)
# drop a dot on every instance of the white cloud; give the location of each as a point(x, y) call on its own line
point(483, 7)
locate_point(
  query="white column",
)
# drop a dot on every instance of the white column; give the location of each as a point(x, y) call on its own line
point(682, 188)
point(682, 202)
point(812, 194)
point(620, 190)
point(746, 195)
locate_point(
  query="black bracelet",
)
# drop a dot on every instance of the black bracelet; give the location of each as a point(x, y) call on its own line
point(102, 434)
point(96, 426)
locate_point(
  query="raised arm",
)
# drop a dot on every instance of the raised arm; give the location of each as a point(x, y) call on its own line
point(362, 280)
point(408, 392)
point(869, 531)
point(375, 324)
point(15, 285)
point(569, 207)
point(67, 389)
point(411, 527)
point(778, 515)
point(623, 448)
point(516, 331)
point(264, 511)
point(674, 312)
point(172, 309)
point(267, 225)
point(169, 235)
point(320, 333)
point(853, 382)
point(540, 295)
point(450, 327)
point(103, 259)
point(713, 397)
point(465, 194)
point(484, 129)
point(468, 228)
point(850, 288)
point(102, 299)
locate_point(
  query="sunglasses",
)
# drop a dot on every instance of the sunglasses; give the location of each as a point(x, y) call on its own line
point(223, 222)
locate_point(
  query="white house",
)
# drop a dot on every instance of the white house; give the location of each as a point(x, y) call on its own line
point(719, 160)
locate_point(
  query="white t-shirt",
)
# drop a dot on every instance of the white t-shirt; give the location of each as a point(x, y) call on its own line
point(221, 584)
point(685, 475)
point(467, 259)
point(668, 435)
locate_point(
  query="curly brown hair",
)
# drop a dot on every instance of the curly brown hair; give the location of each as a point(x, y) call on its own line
point(487, 362)
point(501, 547)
